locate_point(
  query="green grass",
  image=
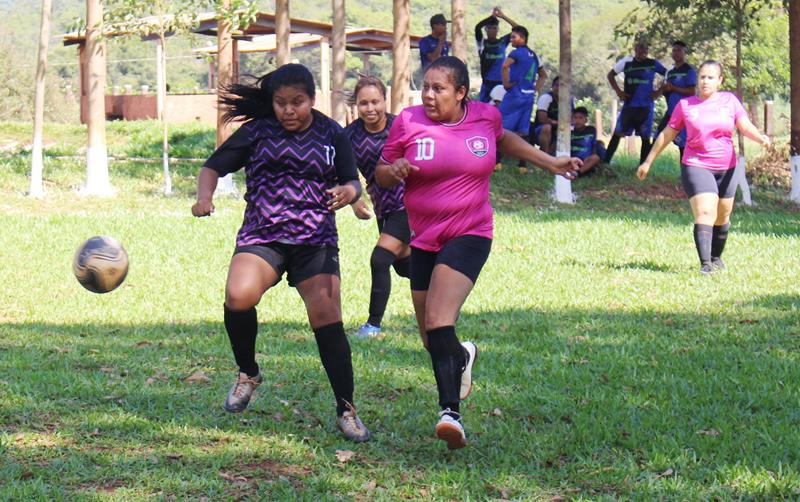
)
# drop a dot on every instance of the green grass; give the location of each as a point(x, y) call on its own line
point(619, 373)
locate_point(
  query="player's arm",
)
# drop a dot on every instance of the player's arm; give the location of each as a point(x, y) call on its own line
point(497, 12)
point(746, 127)
point(348, 189)
point(684, 91)
point(665, 138)
point(437, 52)
point(479, 29)
point(206, 184)
point(540, 80)
point(541, 117)
point(512, 145)
point(612, 79)
point(507, 83)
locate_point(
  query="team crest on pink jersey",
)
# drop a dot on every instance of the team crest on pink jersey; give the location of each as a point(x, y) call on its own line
point(478, 145)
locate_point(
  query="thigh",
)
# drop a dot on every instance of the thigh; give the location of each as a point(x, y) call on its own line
point(466, 254)
point(448, 291)
point(395, 227)
point(698, 180)
point(321, 294)
point(724, 210)
point(704, 208)
point(304, 262)
point(727, 184)
point(249, 276)
point(422, 263)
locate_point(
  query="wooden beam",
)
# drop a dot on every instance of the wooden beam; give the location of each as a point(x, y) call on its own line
point(282, 29)
point(339, 66)
point(325, 75)
point(224, 70)
point(401, 55)
point(459, 27)
point(97, 182)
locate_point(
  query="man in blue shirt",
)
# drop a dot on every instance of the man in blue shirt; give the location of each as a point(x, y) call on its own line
point(520, 70)
point(636, 115)
point(435, 45)
point(492, 52)
point(680, 81)
point(583, 142)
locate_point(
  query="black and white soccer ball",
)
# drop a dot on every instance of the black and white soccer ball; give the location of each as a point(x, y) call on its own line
point(100, 264)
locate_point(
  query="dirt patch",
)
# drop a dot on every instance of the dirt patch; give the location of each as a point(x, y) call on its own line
point(656, 192)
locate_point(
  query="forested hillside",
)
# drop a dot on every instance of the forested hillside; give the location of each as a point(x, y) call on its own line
point(132, 61)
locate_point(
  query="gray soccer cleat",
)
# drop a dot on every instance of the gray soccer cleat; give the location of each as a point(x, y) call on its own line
point(351, 426)
point(241, 392)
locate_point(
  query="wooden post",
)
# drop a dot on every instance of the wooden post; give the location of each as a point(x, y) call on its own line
point(97, 181)
point(160, 98)
point(794, 92)
point(459, 27)
point(401, 54)
point(339, 66)
point(614, 113)
point(563, 187)
point(769, 124)
point(365, 63)
point(212, 67)
point(325, 74)
point(224, 78)
point(282, 29)
point(598, 122)
point(37, 158)
point(235, 61)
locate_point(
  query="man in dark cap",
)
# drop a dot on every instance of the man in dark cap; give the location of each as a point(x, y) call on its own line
point(434, 45)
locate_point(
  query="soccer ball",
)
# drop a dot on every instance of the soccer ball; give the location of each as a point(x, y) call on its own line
point(100, 264)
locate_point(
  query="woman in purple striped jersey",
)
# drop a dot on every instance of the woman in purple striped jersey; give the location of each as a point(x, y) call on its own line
point(299, 169)
point(367, 135)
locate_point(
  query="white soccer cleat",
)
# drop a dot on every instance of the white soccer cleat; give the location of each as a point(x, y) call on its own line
point(466, 376)
point(450, 430)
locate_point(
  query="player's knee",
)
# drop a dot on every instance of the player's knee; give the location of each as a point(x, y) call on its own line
point(241, 296)
point(381, 258)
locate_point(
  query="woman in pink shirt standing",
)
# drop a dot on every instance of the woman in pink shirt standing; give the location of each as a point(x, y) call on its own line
point(709, 160)
point(445, 151)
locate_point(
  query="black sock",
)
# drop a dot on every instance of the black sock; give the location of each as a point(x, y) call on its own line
point(645, 150)
point(242, 328)
point(403, 266)
point(337, 361)
point(702, 241)
point(380, 262)
point(612, 148)
point(720, 235)
point(448, 358)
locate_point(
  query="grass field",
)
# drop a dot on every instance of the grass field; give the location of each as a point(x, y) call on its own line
point(609, 369)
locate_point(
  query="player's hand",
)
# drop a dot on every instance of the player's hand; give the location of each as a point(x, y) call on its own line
point(568, 167)
point(401, 168)
point(655, 95)
point(361, 210)
point(202, 208)
point(641, 173)
point(667, 87)
point(766, 141)
point(497, 12)
point(341, 195)
point(442, 37)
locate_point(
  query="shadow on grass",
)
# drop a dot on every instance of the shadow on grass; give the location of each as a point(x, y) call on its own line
point(583, 402)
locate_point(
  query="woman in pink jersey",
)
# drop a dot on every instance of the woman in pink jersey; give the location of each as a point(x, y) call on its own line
point(709, 160)
point(445, 152)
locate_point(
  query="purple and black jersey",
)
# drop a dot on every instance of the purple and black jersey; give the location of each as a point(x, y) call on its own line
point(367, 147)
point(287, 174)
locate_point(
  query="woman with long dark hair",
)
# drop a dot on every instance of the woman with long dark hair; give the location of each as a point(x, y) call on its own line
point(368, 134)
point(299, 169)
point(445, 151)
point(709, 160)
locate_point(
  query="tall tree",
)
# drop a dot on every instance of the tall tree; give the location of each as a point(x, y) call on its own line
point(97, 180)
point(459, 28)
point(794, 140)
point(563, 187)
point(37, 162)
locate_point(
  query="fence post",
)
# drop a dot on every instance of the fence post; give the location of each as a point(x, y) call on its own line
point(769, 125)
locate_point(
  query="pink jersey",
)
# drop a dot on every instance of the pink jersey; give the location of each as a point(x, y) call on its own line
point(449, 195)
point(709, 127)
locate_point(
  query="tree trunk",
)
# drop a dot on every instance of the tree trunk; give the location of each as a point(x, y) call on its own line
point(339, 66)
point(161, 103)
point(224, 78)
point(794, 58)
point(37, 162)
point(563, 187)
point(282, 29)
point(401, 55)
point(325, 74)
point(97, 181)
point(741, 164)
point(459, 27)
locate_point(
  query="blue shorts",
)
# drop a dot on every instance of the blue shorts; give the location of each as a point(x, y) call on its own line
point(516, 110)
point(635, 120)
point(537, 130)
point(486, 88)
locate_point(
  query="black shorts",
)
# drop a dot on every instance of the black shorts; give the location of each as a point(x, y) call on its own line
point(466, 254)
point(635, 120)
point(697, 180)
point(396, 225)
point(300, 262)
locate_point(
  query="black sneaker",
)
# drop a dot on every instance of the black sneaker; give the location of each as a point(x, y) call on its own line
point(706, 268)
point(718, 264)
